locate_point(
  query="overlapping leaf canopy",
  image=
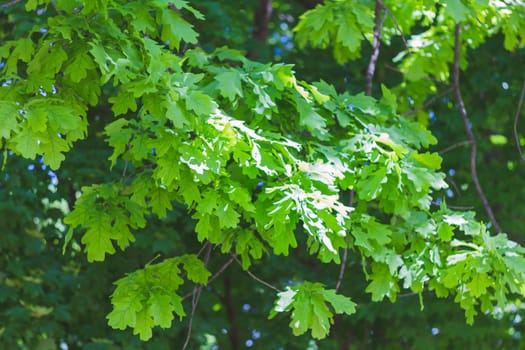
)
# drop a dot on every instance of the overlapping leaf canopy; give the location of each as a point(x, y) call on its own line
point(260, 159)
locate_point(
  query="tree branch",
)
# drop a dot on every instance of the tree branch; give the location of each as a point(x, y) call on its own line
point(375, 48)
point(233, 331)
point(516, 117)
point(341, 270)
point(454, 146)
point(10, 3)
point(257, 278)
point(196, 297)
point(214, 277)
point(429, 102)
point(468, 130)
point(396, 24)
point(261, 19)
point(345, 253)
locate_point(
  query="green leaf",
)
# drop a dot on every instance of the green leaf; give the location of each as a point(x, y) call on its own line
point(200, 103)
point(123, 102)
point(340, 303)
point(308, 303)
point(98, 237)
point(229, 84)
point(370, 186)
point(383, 284)
point(118, 137)
point(479, 284)
point(445, 232)
point(175, 29)
point(52, 148)
point(8, 118)
point(27, 143)
point(309, 117)
point(160, 201)
point(124, 313)
point(457, 10)
point(78, 69)
point(143, 325)
point(161, 310)
point(195, 269)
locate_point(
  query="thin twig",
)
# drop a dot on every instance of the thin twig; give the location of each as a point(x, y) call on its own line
point(454, 146)
point(204, 246)
point(195, 299)
point(468, 131)
point(212, 278)
point(341, 270)
point(123, 176)
point(10, 3)
point(375, 48)
point(429, 102)
point(221, 270)
point(516, 116)
point(396, 24)
point(345, 253)
point(257, 278)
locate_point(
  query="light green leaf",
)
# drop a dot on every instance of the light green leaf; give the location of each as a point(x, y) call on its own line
point(8, 118)
point(229, 84)
point(143, 325)
point(200, 103)
point(160, 201)
point(457, 10)
point(161, 310)
point(98, 237)
point(27, 143)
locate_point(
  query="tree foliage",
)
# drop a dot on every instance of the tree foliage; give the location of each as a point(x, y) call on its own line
point(172, 156)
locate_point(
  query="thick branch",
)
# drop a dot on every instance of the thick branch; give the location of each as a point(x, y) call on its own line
point(375, 48)
point(468, 130)
point(516, 117)
point(262, 17)
point(310, 4)
point(233, 332)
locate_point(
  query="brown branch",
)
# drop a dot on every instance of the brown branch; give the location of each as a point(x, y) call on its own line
point(429, 102)
point(341, 270)
point(375, 48)
point(221, 270)
point(396, 24)
point(196, 297)
point(468, 130)
point(516, 117)
point(345, 253)
point(214, 277)
point(10, 3)
point(257, 278)
point(261, 19)
point(454, 146)
point(227, 299)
